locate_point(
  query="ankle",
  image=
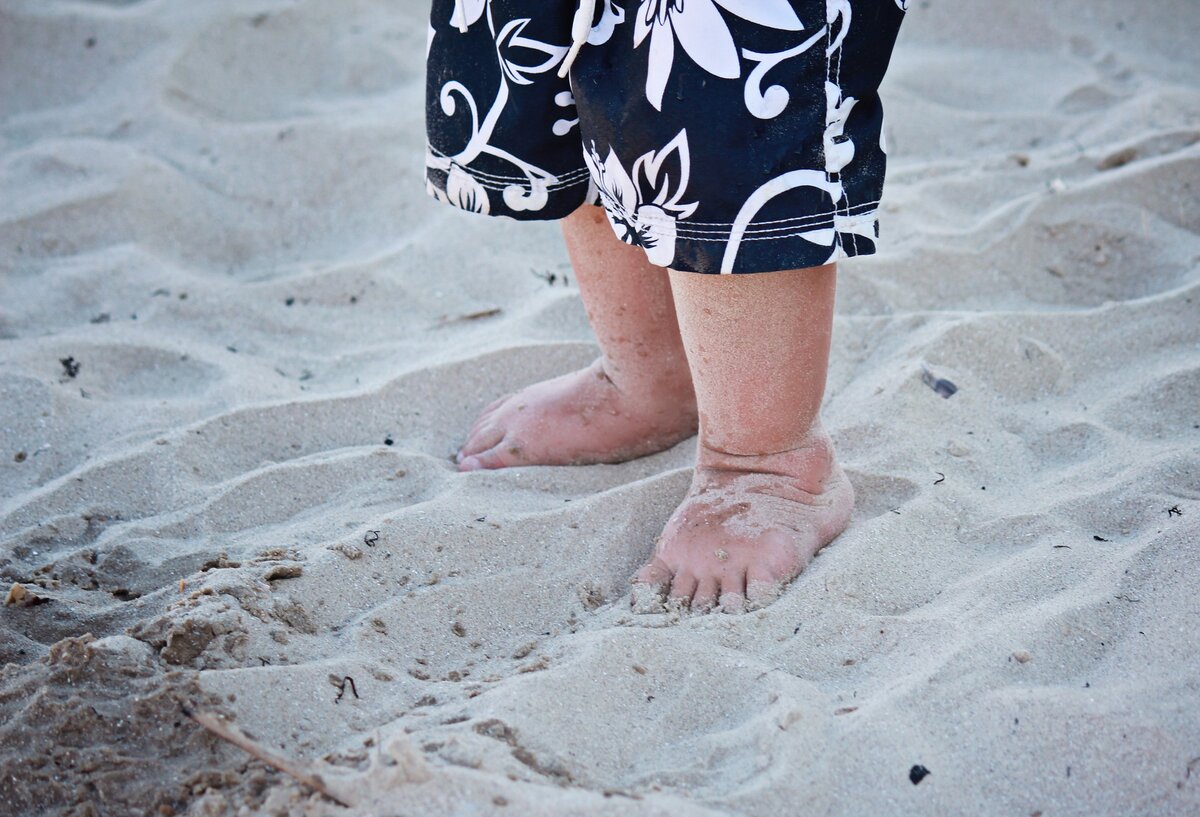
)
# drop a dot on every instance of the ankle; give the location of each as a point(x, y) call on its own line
point(656, 383)
point(810, 459)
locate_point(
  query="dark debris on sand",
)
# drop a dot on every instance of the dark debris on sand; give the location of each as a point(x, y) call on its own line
point(96, 728)
point(941, 385)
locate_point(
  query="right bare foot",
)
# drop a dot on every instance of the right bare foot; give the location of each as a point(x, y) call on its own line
point(747, 527)
point(580, 418)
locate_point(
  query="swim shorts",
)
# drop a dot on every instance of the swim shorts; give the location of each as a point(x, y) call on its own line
point(721, 136)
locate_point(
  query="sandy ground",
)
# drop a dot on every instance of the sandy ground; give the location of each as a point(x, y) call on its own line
point(236, 492)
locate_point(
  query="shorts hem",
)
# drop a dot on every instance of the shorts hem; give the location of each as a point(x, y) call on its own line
point(499, 182)
point(793, 243)
point(524, 198)
point(794, 254)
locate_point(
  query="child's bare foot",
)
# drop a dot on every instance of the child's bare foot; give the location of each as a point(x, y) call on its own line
point(767, 492)
point(747, 527)
point(581, 417)
point(637, 398)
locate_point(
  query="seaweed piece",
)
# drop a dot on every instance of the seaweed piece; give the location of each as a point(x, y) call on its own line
point(939, 384)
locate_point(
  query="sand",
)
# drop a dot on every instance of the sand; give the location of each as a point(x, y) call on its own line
point(237, 490)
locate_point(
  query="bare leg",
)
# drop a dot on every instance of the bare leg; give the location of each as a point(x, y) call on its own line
point(636, 399)
point(767, 493)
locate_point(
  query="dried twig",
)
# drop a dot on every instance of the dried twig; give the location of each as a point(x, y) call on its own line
point(302, 772)
point(341, 684)
point(470, 316)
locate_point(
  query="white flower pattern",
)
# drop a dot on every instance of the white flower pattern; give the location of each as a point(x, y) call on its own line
point(463, 191)
point(702, 33)
point(466, 12)
point(460, 187)
point(768, 164)
point(643, 206)
point(611, 16)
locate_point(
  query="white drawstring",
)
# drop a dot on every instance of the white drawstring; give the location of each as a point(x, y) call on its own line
point(581, 27)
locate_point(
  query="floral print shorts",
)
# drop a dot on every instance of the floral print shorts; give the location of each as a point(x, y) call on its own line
point(721, 136)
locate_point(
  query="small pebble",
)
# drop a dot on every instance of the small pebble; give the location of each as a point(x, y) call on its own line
point(349, 551)
point(281, 572)
point(1118, 159)
point(21, 596)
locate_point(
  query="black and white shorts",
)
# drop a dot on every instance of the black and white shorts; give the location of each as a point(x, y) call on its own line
point(719, 135)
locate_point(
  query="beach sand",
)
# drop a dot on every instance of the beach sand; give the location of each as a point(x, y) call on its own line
point(239, 345)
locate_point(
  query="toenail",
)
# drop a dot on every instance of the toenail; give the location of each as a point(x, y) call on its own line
point(470, 464)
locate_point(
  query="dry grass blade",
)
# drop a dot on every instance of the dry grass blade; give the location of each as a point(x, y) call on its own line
point(470, 316)
point(301, 772)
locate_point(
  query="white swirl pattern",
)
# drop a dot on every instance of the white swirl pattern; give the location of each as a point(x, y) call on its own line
point(811, 178)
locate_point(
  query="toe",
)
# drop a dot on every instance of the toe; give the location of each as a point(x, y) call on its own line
point(650, 587)
point(732, 603)
point(655, 572)
point(503, 455)
point(480, 440)
point(762, 588)
point(486, 414)
point(495, 404)
point(706, 594)
point(683, 587)
point(733, 593)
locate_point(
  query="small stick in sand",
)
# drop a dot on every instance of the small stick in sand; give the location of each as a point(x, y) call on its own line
point(471, 316)
point(341, 683)
point(301, 772)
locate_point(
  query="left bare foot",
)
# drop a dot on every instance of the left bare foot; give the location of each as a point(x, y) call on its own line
point(580, 418)
point(747, 527)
